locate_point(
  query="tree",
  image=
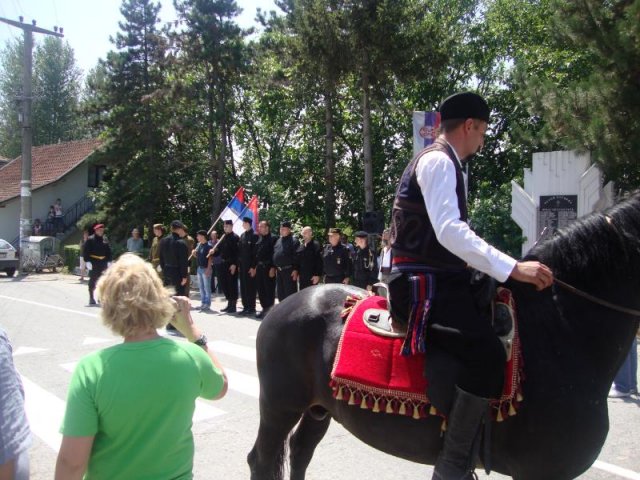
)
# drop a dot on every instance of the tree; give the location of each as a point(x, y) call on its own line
point(598, 111)
point(131, 105)
point(320, 42)
point(10, 93)
point(57, 92)
point(385, 50)
point(213, 56)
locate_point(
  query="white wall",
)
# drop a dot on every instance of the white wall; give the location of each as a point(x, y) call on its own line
point(71, 188)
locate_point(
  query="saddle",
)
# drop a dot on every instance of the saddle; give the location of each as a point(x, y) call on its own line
point(370, 371)
point(381, 322)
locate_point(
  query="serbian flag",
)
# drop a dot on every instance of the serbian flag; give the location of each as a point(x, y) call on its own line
point(251, 211)
point(235, 206)
point(425, 129)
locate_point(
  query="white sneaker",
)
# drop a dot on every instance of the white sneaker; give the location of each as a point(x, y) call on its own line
point(615, 393)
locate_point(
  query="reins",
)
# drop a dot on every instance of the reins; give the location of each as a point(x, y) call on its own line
point(604, 303)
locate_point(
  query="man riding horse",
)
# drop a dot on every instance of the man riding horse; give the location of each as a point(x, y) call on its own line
point(434, 250)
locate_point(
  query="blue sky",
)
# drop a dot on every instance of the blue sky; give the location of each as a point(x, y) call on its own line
point(89, 23)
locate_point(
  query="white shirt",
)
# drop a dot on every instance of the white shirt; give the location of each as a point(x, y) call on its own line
point(436, 177)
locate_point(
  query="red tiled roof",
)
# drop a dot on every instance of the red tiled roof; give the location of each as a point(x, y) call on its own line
point(48, 164)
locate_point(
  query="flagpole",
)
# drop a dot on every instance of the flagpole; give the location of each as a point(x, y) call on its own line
point(214, 224)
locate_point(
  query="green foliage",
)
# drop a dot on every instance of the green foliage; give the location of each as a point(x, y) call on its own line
point(10, 90)
point(56, 87)
point(597, 110)
point(71, 257)
point(56, 93)
point(88, 220)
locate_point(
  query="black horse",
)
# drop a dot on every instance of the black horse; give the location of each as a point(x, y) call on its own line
point(572, 350)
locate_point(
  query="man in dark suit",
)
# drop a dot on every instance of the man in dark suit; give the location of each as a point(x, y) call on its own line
point(286, 262)
point(227, 249)
point(309, 259)
point(247, 260)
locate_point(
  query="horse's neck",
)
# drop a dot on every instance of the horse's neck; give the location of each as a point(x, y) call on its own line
point(574, 336)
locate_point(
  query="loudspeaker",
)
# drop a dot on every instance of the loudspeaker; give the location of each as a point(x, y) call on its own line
point(373, 222)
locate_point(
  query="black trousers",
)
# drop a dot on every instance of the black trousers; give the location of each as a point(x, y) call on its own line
point(266, 287)
point(304, 281)
point(171, 278)
point(229, 282)
point(461, 346)
point(247, 289)
point(333, 278)
point(94, 275)
point(285, 284)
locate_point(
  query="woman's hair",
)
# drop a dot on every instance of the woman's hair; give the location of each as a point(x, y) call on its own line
point(132, 296)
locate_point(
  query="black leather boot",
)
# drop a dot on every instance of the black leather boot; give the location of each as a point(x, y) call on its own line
point(457, 459)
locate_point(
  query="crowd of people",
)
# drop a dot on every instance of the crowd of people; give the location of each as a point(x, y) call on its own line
point(261, 266)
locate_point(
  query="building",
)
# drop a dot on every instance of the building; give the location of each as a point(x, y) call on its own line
point(59, 171)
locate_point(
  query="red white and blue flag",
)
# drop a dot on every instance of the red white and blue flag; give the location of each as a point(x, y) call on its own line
point(425, 129)
point(250, 211)
point(235, 207)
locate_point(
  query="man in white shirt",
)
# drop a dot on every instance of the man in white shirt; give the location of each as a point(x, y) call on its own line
point(433, 248)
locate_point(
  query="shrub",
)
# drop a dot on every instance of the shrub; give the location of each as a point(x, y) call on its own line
point(71, 257)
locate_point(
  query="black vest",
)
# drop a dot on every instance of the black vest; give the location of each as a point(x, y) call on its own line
point(412, 233)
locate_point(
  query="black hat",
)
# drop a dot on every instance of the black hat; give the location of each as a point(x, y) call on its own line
point(464, 105)
point(202, 232)
point(178, 224)
point(286, 224)
point(247, 220)
point(361, 234)
point(228, 222)
point(335, 230)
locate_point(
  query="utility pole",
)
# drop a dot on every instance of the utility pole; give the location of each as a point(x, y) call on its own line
point(27, 134)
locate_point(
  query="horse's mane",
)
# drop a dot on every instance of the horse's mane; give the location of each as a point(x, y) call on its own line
point(599, 250)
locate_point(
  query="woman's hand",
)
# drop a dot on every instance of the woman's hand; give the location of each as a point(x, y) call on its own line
point(182, 319)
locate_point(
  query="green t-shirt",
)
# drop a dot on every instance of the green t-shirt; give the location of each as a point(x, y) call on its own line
point(138, 399)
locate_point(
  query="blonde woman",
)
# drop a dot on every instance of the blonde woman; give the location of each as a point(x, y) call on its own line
point(129, 407)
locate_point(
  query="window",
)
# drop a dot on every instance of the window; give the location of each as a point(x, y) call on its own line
point(96, 174)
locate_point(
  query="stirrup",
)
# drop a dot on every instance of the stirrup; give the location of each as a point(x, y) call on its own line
point(381, 321)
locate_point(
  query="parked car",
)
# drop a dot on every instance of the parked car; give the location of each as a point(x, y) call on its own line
point(8, 258)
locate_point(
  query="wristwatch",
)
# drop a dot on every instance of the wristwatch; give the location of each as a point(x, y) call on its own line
point(201, 340)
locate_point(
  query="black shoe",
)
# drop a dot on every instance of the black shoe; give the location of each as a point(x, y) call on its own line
point(92, 302)
point(263, 313)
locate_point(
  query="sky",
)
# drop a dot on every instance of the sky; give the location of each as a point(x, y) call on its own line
point(89, 23)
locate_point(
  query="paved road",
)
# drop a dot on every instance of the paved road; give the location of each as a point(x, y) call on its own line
point(51, 329)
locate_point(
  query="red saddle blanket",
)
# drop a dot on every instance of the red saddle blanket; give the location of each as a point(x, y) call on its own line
point(370, 372)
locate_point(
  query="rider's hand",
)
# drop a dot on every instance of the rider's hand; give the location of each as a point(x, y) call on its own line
point(533, 272)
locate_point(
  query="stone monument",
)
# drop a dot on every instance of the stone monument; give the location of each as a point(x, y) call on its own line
point(558, 188)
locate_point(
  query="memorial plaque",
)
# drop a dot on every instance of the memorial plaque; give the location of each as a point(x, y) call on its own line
point(556, 211)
